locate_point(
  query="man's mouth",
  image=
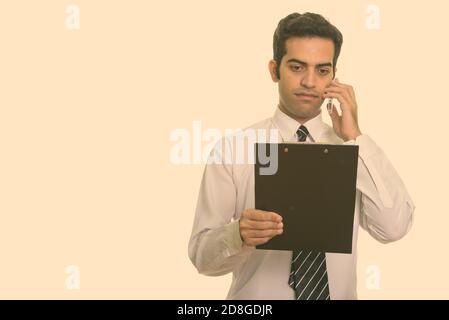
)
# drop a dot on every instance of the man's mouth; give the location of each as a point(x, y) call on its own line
point(305, 96)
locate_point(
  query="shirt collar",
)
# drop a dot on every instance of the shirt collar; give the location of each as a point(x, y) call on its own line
point(288, 126)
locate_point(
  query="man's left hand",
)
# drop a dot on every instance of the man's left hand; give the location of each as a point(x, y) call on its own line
point(345, 125)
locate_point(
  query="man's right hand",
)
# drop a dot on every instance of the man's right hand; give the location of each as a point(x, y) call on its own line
point(257, 226)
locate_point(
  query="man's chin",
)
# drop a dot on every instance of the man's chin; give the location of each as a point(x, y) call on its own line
point(307, 112)
point(301, 111)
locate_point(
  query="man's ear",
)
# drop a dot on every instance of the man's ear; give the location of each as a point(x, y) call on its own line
point(272, 68)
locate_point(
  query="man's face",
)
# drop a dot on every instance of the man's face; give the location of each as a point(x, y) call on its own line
point(305, 71)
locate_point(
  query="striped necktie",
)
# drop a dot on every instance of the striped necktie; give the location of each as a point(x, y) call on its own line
point(308, 273)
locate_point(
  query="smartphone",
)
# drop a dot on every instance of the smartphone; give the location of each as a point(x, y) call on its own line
point(329, 105)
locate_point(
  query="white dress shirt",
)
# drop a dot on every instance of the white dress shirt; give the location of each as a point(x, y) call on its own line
point(383, 208)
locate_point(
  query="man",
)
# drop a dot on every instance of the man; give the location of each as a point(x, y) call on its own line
point(227, 227)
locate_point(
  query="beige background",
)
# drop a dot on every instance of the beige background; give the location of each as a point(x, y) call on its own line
point(86, 115)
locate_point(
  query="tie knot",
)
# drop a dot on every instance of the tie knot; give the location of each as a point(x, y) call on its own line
point(302, 133)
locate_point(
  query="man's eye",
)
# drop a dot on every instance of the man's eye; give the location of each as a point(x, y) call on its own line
point(324, 71)
point(296, 68)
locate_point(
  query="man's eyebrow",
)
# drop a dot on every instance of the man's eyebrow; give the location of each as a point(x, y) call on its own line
point(327, 64)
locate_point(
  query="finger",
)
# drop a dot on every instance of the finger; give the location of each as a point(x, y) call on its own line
point(343, 85)
point(257, 242)
point(341, 90)
point(262, 233)
point(344, 103)
point(260, 225)
point(261, 215)
point(334, 113)
point(263, 225)
point(337, 82)
point(348, 92)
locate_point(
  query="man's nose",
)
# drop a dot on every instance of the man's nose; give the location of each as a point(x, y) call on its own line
point(309, 79)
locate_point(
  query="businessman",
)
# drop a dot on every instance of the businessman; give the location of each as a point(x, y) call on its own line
point(227, 227)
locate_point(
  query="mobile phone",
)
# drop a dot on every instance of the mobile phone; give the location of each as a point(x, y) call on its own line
point(329, 105)
point(330, 102)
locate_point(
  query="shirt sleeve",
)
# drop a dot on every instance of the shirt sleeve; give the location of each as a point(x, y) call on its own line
point(215, 246)
point(386, 207)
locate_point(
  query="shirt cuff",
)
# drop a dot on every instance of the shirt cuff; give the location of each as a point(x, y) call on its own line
point(367, 147)
point(234, 242)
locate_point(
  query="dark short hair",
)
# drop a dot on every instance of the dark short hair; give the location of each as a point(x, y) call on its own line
point(307, 25)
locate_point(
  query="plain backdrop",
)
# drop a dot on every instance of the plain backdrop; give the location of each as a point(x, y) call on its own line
point(86, 178)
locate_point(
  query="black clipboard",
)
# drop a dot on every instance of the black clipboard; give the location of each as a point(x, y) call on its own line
point(313, 189)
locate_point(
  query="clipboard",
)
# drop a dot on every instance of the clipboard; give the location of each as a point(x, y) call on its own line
point(314, 190)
